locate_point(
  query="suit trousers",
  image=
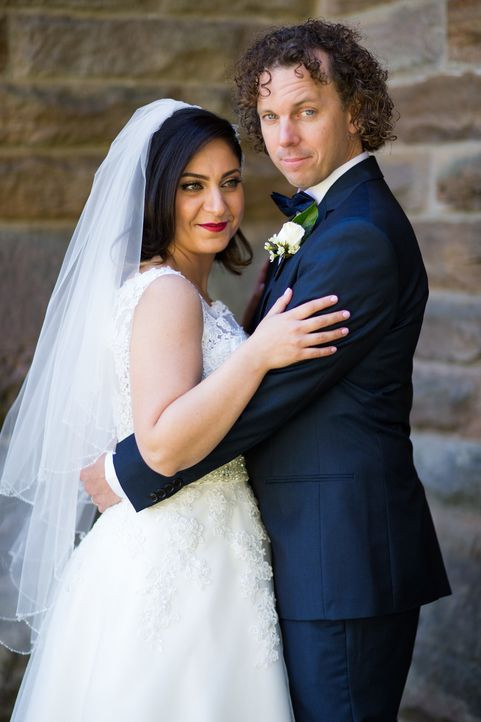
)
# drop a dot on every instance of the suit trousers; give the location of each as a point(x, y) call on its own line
point(349, 670)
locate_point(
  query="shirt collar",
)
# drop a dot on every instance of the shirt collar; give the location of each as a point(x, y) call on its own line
point(319, 191)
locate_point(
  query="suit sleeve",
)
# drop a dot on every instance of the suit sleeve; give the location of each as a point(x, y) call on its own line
point(355, 261)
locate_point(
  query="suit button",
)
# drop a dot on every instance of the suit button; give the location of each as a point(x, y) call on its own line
point(161, 495)
point(177, 484)
point(169, 488)
point(153, 496)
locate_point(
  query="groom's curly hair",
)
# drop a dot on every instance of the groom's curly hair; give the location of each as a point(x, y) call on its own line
point(356, 73)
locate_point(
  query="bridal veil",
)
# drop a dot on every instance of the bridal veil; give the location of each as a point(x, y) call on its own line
point(62, 419)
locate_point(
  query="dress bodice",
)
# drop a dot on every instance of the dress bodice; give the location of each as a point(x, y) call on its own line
point(221, 336)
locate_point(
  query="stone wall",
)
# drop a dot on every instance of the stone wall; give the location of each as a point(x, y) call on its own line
point(72, 72)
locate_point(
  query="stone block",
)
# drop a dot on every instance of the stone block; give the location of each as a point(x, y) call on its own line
point(88, 114)
point(45, 187)
point(440, 108)
point(328, 8)
point(452, 329)
point(447, 398)
point(450, 468)
point(418, 30)
point(443, 684)
point(272, 9)
point(3, 43)
point(452, 253)
point(407, 174)
point(33, 258)
point(459, 185)
point(169, 49)
point(464, 30)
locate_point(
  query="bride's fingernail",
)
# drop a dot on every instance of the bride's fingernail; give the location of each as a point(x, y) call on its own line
point(333, 299)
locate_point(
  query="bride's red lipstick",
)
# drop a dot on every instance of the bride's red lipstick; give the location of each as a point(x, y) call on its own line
point(215, 227)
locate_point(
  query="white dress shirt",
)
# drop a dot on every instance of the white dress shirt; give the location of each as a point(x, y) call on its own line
point(111, 476)
point(319, 191)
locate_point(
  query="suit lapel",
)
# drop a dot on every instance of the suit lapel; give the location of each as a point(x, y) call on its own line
point(275, 269)
point(364, 171)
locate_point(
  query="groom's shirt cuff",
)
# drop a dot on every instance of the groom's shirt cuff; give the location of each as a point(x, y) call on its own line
point(111, 476)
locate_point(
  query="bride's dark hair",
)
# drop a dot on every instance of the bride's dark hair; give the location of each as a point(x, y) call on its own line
point(172, 147)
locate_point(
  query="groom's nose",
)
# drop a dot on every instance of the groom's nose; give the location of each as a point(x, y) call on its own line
point(288, 134)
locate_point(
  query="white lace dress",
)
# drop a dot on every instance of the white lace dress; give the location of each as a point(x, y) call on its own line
point(166, 615)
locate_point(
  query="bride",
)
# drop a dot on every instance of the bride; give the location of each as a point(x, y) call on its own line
point(167, 614)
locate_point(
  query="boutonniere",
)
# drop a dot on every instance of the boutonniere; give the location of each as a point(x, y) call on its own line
point(288, 241)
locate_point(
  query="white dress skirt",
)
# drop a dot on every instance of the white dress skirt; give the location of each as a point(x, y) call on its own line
point(166, 615)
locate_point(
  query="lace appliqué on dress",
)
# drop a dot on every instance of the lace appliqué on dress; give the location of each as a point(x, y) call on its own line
point(251, 550)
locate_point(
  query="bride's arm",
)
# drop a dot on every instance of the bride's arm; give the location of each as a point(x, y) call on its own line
point(179, 419)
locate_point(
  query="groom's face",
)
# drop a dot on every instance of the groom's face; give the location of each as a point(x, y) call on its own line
point(307, 131)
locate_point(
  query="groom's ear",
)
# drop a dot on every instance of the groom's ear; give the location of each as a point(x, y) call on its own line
point(354, 116)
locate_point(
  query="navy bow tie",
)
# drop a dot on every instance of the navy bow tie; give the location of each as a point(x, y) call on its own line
point(291, 206)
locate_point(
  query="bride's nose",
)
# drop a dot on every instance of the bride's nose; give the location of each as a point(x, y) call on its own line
point(214, 201)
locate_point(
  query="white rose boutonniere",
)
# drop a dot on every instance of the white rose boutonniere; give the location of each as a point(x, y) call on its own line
point(288, 241)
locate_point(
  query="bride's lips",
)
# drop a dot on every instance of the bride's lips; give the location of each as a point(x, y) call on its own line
point(215, 227)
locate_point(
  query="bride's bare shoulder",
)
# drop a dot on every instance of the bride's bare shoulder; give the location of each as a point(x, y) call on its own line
point(170, 295)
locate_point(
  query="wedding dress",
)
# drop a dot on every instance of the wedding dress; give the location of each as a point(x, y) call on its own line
point(166, 615)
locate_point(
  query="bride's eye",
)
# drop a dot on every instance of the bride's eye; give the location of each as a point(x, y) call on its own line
point(192, 186)
point(232, 182)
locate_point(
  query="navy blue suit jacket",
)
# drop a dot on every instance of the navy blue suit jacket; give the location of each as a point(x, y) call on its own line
point(327, 440)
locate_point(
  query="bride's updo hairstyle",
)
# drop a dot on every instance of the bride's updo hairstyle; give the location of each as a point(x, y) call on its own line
point(171, 149)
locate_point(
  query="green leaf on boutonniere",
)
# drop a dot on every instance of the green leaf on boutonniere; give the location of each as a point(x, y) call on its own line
point(308, 217)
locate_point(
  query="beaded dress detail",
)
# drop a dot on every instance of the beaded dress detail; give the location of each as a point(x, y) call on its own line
point(171, 610)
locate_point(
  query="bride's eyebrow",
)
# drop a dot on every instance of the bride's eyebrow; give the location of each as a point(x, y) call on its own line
point(204, 177)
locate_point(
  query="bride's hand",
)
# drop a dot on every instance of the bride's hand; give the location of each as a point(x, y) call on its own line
point(286, 337)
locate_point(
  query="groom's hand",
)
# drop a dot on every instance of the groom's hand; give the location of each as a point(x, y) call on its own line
point(95, 484)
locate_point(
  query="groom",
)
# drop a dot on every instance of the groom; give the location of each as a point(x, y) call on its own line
point(327, 441)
